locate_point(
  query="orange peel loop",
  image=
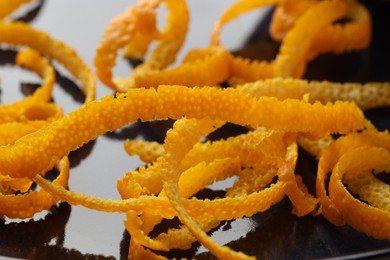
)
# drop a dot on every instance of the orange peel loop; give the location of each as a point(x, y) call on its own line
point(18, 33)
point(360, 215)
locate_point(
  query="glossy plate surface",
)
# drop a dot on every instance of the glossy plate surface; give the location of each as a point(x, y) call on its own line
point(78, 233)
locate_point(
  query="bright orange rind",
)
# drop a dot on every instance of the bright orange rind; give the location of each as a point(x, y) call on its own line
point(9, 6)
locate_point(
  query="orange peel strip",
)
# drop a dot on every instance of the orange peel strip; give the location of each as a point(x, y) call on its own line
point(202, 175)
point(209, 69)
point(138, 45)
point(172, 36)
point(9, 6)
point(366, 96)
point(303, 202)
point(361, 216)
point(170, 41)
point(95, 118)
point(27, 204)
point(145, 180)
point(291, 59)
point(133, 224)
point(274, 190)
point(285, 15)
point(10, 185)
point(33, 61)
point(222, 252)
point(105, 57)
point(12, 131)
point(351, 36)
point(250, 147)
point(369, 188)
point(147, 151)
point(329, 158)
point(136, 251)
point(182, 238)
point(146, 29)
point(18, 33)
point(250, 70)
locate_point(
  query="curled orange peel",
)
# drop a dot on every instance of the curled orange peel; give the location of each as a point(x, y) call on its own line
point(330, 157)
point(292, 56)
point(303, 202)
point(21, 34)
point(245, 70)
point(360, 215)
point(169, 41)
point(21, 118)
point(10, 132)
point(354, 34)
point(105, 57)
point(136, 251)
point(209, 68)
point(25, 205)
point(285, 15)
point(18, 110)
point(9, 6)
point(32, 60)
point(296, 46)
point(145, 29)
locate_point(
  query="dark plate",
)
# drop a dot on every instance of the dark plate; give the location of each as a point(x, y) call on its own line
point(77, 233)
